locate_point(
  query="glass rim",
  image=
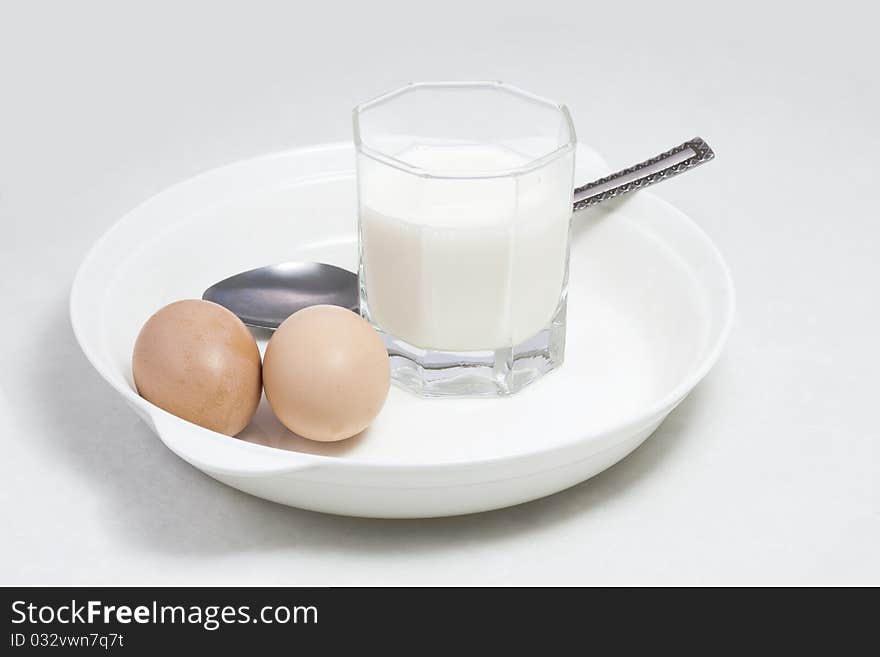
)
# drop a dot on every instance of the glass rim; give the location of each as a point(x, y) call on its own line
point(531, 165)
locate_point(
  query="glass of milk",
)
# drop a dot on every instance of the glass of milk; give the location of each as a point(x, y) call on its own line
point(465, 203)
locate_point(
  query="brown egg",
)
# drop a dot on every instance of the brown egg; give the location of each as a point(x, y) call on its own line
point(326, 373)
point(198, 361)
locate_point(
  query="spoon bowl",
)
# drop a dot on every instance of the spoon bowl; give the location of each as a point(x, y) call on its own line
point(266, 296)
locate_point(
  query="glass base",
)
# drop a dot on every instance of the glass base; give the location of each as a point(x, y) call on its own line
point(494, 373)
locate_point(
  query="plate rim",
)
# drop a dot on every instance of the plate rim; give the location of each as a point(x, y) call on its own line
point(311, 461)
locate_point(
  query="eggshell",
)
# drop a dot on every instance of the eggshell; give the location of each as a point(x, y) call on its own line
point(197, 360)
point(326, 373)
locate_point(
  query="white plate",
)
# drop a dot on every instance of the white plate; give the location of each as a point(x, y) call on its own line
point(650, 305)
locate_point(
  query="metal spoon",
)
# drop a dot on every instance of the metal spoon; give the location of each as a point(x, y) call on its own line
point(267, 296)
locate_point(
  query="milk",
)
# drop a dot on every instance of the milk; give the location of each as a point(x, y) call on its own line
point(464, 264)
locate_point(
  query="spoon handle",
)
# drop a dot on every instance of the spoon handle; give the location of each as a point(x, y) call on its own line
point(682, 158)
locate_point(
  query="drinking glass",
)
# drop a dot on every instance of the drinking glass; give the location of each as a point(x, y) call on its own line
point(464, 210)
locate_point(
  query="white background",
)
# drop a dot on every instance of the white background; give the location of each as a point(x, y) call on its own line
point(768, 473)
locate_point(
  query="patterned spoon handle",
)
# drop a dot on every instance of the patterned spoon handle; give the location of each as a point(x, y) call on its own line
point(682, 158)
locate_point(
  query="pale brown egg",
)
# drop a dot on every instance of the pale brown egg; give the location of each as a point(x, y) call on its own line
point(326, 373)
point(198, 361)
